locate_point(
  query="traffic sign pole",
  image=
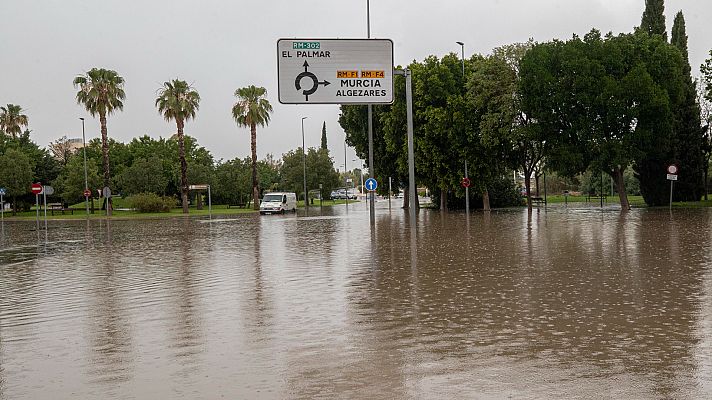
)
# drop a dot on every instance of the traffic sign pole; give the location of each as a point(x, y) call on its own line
point(671, 183)
point(44, 198)
point(2, 208)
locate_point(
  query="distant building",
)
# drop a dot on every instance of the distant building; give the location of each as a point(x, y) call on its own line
point(75, 144)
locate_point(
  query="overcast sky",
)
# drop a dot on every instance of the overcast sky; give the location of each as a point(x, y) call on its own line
point(218, 46)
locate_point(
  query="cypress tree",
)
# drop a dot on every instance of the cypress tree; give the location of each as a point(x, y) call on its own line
point(688, 135)
point(653, 21)
point(323, 136)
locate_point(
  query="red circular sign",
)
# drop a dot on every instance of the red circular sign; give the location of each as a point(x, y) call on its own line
point(87, 192)
point(36, 188)
point(672, 169)
point(466, 182)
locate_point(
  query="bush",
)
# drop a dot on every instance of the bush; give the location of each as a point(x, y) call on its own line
point(151, 203)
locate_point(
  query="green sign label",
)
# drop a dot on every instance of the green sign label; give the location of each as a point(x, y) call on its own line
point(306, 45)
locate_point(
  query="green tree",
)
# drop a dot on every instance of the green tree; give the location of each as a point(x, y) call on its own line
point(688, 134)
point(323, 136)
point(145, 175)
point(179, 101)
point(252, 109)
point(603, 102)
point(12, 120)
point(16, 174)
point(653, 20)
point(231, 182)
point(320, 170)
point(101, 91)
point(70, 182)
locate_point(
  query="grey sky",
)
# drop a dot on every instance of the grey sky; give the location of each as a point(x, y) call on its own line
point(219, 46)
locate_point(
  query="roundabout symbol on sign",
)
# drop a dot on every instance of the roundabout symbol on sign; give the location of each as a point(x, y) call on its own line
point(315, 82)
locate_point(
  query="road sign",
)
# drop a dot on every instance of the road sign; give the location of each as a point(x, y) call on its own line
point(106, 192)
point(87, 193)
point(371, 184)
point(198, 187)
point(465, 182)
point(672, 169)
point(48, 190)
point(36, 188)
point(672, 177)
point(3, 192)
point(335, 71)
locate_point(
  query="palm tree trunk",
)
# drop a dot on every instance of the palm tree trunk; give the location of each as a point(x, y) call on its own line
point(183, 167)
point(105, 157)
point(443, 199)
point(255, 189)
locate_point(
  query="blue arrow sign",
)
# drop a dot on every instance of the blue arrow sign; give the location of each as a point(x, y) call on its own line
point(2, 192)
point(371, 184)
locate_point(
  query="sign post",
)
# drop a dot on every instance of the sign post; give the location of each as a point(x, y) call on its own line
point(36, 188)
point(210, 202)
point(337, 71)
point(672, 171)
point(107, 194)
point(466, 184)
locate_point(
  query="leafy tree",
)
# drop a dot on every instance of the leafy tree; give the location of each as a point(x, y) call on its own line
point(252, 109)
point(323, 136)
point(101, 91)
point(602, 102)
point(12, 120)
point(16, 174)
point(145, 175)
point(231, 182)
point(320, 170)
point(179, 101)
point(653, 20)
point(70, 182)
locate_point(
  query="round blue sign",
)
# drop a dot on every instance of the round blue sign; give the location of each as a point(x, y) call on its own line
point(371, 184)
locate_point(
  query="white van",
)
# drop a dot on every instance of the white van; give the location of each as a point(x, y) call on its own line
point(278, 202)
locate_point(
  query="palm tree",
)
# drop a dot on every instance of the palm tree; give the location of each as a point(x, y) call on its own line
point(101, 91)
point(12, 120)
point(252, 109)
point(179, 101)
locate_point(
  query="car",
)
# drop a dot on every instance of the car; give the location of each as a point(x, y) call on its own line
point(351, 194)
point(339, 194)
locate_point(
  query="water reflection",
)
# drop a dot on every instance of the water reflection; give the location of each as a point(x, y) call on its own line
point(557, 303)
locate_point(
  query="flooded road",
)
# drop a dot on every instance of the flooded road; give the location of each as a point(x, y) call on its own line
point(569, 303)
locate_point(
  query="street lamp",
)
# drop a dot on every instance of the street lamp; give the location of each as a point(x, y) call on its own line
point(86, 180)
point(304, 162)
point(467, 188)
point(462, 46)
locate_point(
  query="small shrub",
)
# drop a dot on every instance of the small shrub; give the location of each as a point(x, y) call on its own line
point(151, 203)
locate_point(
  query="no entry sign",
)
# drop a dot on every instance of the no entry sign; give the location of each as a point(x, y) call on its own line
point(36, 188)
point(87, 192)
point(466, 182)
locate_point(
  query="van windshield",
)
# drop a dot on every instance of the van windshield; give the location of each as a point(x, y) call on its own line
point(273, 197)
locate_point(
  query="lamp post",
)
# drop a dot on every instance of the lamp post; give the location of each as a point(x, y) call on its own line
point(304, 162)
point(86, 180)
point(467, 188)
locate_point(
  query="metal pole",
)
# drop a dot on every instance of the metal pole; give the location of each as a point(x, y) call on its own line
point(671, 182)
point(44, 198)
point(389, 191)
point(346, 179)
point(467, 193)
point(210, 204)
point(411, 157)
point(86, 179)
point(37, 208)
point(2, 208)
point(371, 171)
point(304, 162)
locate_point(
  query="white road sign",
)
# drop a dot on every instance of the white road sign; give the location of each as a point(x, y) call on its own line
point(335, 71)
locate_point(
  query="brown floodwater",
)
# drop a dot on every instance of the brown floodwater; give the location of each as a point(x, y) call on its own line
point(565, 303)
